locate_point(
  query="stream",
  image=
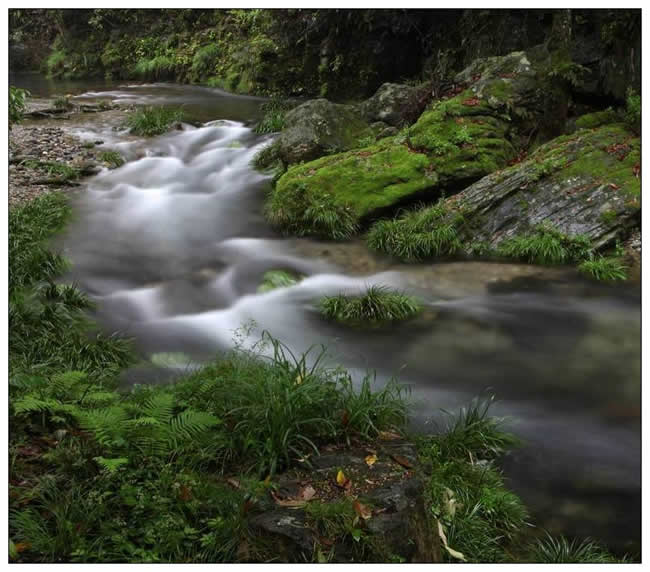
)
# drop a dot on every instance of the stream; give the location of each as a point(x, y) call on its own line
point(173, 246)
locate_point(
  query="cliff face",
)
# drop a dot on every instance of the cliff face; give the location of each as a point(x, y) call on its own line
point(338, 54)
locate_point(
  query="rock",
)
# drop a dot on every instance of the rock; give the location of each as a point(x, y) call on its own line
point(586, 183)
point(318, 127)
point(453, 144)
point(391, 496)
point(393, 104)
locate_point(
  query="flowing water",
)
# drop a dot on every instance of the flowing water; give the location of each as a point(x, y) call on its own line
point(173, 246)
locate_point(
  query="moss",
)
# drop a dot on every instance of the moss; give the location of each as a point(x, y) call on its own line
point(451, 144)
point(596, 119)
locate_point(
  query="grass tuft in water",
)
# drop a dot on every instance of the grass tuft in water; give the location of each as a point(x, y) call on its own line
point(377, 305)
point(274, 112)
point(546, 245)
point(113, 158)
point(608, 269)
point(150, 121)
point(560, 550)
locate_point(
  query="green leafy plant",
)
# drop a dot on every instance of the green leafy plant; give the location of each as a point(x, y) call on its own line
point(150, 121)
point(60, 172)
point(17, 97)
point(603, 268)
point(545, 245)
point(62, 102)
point(274, 112)
point(559, 550)
point(277, 279)
point(113, 158)
point(633, 110)
point(417, 234)
point(377, 305)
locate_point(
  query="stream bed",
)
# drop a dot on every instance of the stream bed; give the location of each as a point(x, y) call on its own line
point(173, 246)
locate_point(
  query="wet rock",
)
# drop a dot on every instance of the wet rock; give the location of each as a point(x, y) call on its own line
point(318, 127)
point(392, 104)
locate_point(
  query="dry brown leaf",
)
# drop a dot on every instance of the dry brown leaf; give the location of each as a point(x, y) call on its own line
point(389, 436)
point(289, 503)
point(307, 493)
point(402, 461)
point(452, 552)
point(362, 510)
point(234, 483)
point(22, 546)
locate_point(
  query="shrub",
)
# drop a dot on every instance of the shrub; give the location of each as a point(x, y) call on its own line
point(377, 305)
point(204, 61)
point(417, 235)
point(545, 245)
point(17, 97)
point(150, 121)
point(55, 63)
point(608, 269)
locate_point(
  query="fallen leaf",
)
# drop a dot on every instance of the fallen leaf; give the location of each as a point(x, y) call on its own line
point(614, 186)
point(307, 493)
point(185, 493)
point(453, 553)
point(22, 546)
point(371, 460)
point(389, 436)
point(234, 483)
point(289, 503)
point(472, 101)
point(341, 479)
point(402, 461)
point(369, 481)
point(362, 510)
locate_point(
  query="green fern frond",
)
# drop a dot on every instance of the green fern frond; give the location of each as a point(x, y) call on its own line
point(160, 406)
point(189, 424)
point(63, 383)
point(32, 404)
point(110, 465)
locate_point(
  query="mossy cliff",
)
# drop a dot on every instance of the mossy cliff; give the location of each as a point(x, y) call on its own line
point(338, 54)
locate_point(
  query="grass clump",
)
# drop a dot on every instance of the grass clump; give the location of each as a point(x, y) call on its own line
point(377, 305)
point(204, 61)
point(150, 121)
point(274, 112)
point(608, 269)
point(160, 67)
point(417, 235)
point(277, 279)
point(62, 102)
point(560, 550)
point(113, 158)
point(60, 172)
point(546, 245)
point(480, 517)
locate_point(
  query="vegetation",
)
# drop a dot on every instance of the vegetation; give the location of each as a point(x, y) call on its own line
point(482, 521)
point(377, 305)
point(150, 121)
point(633, 111)
point(274, 112)
point(17, 97)
point(113, 158)
point(604, 268)
point(545, 245)
point(62, 102)
point(277, 279)
point(60, 172)
point(559, 550)
point(417, 234)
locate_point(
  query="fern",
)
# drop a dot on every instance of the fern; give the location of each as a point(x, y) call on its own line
point(111, 465)
point(33, 404)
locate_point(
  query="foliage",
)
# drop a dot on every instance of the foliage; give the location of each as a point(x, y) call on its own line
point(113, 158)
point(417, 234)
point(545, 245)
point(62, 102)
point(559, 550)
point(633, 111)
point(150, 121)
point(59, 171)
point(608, 269)
point(377, 305)
point(481, 518)
point(277, 279)
point(204, 61)
point(17, 97)
point(157, 68)
point(274, 112)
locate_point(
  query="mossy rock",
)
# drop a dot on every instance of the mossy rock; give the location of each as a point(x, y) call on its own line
point(273, 279)
point(597, 119)
point(587, 183)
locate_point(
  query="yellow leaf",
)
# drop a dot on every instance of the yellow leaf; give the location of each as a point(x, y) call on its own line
point(371, 460)
point(341, 478)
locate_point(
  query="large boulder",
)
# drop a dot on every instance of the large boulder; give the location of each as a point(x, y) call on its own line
point(316, 128)
point(394, 104)
point(453, 144)
point(587, 183)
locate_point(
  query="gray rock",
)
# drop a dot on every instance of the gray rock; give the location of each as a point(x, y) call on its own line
point(393, 104)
